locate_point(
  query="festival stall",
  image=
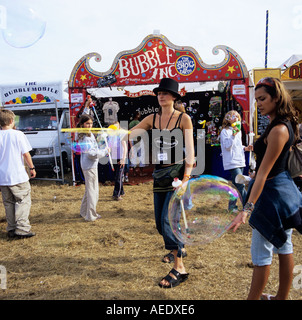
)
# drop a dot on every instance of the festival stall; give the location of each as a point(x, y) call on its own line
point(127, 87)
point(261, 122)
point(292, 79)
point(290, 73)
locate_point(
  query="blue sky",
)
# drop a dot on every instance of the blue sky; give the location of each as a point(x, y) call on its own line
point(74, 28)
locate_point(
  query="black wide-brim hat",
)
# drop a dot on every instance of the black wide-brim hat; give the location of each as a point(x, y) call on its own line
point(168, 85)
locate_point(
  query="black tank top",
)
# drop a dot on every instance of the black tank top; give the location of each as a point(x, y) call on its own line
point(168, 144)
point(281, 163)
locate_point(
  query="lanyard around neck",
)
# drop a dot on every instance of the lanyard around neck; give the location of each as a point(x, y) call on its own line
point(168, 121)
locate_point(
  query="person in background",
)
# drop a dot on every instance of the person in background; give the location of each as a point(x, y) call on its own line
point(138, 149)
point(90, 153)
point(178, 105)
point(132, 123)
point(273, 200)
point(118, 150)
point(14, 180)
point(135, 120)
point(233, 157)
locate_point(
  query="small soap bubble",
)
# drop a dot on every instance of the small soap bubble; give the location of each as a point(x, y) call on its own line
point(24, 26)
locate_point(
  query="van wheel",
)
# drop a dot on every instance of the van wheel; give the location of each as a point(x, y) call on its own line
point(57, 169)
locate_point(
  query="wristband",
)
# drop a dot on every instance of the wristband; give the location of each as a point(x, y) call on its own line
point(187, 175)
point(33, 168)
point(249, 207)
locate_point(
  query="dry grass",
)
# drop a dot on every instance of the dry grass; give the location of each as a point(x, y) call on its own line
point(119, 256)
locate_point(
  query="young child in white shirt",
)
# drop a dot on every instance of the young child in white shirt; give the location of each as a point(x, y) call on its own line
point(233, 157)
point(14, 180)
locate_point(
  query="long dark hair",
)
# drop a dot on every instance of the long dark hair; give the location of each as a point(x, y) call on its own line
point(84, 118)
point(284, 104)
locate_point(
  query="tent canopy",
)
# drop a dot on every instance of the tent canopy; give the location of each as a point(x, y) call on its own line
point(134, 91)
point(291, 60)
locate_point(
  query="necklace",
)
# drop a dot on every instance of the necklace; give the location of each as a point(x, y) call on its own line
point(168, 121)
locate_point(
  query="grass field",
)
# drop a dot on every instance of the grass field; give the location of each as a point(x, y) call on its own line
point(118, 257)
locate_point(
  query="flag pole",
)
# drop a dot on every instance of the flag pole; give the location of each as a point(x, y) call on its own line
point(266, 39)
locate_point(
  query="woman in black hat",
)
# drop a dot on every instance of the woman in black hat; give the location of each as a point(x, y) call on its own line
point(172, 132)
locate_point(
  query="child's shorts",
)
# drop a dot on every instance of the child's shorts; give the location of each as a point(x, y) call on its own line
point(262, 250)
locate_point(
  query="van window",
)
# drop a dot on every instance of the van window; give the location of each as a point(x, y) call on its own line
point(36, 119)
point(65, 123)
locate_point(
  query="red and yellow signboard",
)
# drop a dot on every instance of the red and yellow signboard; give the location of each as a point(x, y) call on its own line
point(156, 58)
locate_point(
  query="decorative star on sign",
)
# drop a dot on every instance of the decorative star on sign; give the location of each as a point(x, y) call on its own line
point(183, 91)
point(83, 77)
point(231, 69)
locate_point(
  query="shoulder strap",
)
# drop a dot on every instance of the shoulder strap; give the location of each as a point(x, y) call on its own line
point(154, 120)
point(177, 124)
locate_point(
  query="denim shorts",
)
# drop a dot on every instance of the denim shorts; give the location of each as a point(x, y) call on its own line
point(262, 250)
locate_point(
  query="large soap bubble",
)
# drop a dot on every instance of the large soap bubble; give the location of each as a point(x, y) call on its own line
point(24, 26)
point(101, 137)
point(204, 212)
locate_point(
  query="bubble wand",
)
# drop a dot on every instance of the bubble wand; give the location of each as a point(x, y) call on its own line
point(176, 184)
point(106, 142)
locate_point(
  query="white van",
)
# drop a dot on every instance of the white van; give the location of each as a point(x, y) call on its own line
point(41, 121)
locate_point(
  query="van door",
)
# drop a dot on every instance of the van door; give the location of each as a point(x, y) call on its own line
point(65, 138)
